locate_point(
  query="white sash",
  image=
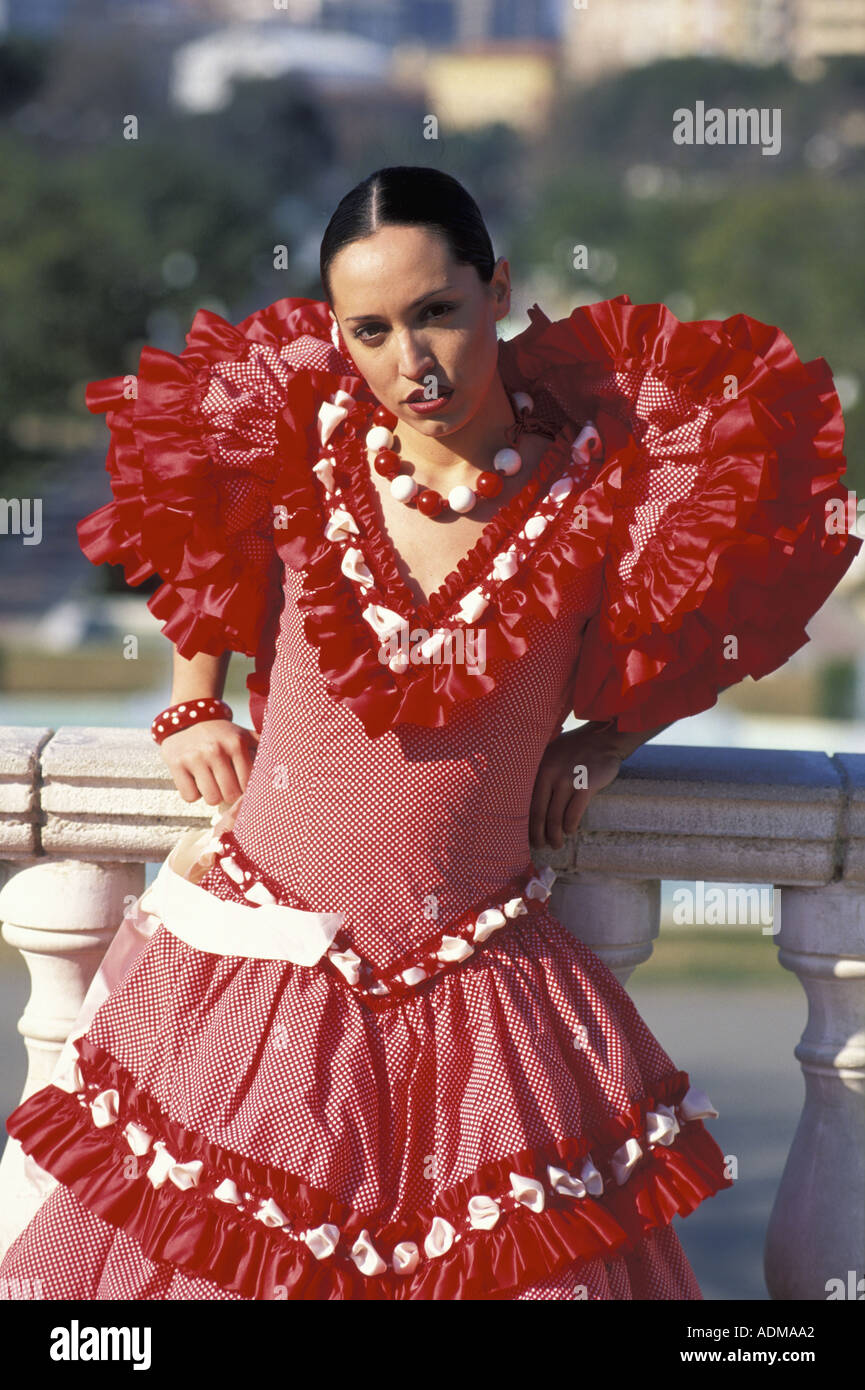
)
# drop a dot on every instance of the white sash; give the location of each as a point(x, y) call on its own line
point(207, 923)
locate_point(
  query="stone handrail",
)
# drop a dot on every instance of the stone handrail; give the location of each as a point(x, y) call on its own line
point(83, 810)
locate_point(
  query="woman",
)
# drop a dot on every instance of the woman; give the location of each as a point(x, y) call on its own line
point(358, 1055)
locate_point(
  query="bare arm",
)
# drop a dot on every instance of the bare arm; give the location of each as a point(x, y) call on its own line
point(212, 760)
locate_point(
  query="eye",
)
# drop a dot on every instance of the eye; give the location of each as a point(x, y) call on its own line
point(445, 308)
point(365, 328)
point(372, 330)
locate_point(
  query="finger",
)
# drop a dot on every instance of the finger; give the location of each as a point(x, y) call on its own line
point(560, 798)
point(573, 812)
point(538, 809)
point(242, 761)
point(222, 767)
point(208, 787)
point(185, 783)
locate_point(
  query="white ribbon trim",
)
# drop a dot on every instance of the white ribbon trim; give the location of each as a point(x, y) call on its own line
point(219, 928)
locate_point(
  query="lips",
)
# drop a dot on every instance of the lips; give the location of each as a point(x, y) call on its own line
point(419, 395)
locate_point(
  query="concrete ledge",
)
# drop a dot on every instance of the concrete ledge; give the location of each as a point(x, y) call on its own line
point(781, 817)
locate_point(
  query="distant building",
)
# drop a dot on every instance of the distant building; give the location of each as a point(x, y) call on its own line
point(489, 82)
point(614, 35)
point(437, 22)
point(205, 68)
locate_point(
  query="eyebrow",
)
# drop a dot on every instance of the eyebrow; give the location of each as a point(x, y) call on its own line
point(356, 318)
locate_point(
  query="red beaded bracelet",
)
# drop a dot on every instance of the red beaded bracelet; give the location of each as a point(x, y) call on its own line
point(177, 717)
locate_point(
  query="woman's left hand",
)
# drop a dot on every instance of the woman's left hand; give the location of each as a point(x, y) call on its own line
point(557, 805)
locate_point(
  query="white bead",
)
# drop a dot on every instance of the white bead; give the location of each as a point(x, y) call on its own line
point(403, 488)
point(399, 662)
point(461, 499)
point(522, 400)
point(507, 461)
point(379, 438)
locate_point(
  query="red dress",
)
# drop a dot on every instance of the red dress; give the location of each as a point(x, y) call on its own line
point(436, 1091)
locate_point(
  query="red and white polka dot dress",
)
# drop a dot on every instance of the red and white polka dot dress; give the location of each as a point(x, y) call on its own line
point(457, 1099)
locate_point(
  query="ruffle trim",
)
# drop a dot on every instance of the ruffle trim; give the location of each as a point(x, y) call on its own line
point(256, 1230)
point(348, 649)
point(192, 461)
point(748, 552)
point(444, 951)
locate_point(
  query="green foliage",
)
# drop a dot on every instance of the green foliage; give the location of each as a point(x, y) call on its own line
point(838, 689)
point(87, 218)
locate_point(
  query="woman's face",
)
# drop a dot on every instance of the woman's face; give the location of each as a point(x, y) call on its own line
point(408, 312)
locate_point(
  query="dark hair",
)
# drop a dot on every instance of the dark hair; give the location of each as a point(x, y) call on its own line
point(415, 195)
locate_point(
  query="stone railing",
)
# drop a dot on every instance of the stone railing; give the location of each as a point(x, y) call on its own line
point(83, 810)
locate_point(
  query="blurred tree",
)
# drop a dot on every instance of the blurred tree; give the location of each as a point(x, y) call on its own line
point(23, 67)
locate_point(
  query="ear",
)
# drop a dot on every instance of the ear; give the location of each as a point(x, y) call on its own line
point(500, 287)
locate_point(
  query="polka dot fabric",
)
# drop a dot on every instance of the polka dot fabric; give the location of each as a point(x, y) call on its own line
point(529, 1042)
point(509, 1129)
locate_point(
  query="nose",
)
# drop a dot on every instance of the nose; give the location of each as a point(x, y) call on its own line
point(415, 359)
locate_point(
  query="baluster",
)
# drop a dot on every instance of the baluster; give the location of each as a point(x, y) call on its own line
point(816, 1232)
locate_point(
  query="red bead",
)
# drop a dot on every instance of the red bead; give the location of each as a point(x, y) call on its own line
point(382, 416)
point(386, 463)
point(489, 484)
point(429, 502)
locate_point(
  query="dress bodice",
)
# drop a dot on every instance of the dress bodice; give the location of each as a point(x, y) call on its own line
point(414, 826)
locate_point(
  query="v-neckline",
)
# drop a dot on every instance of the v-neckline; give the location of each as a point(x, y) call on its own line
point(381, 555)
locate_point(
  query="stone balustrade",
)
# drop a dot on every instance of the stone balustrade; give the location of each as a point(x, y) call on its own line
point(82, 811)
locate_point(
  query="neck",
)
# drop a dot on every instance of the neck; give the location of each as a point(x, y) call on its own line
point(473, 443)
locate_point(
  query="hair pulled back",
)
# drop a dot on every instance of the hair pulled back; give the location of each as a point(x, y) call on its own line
point(413, 195)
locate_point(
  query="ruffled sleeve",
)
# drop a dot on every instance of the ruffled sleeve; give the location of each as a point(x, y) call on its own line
point(192, 461)
point(722, 451)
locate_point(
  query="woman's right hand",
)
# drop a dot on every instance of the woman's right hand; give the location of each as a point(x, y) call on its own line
point(212, 760)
